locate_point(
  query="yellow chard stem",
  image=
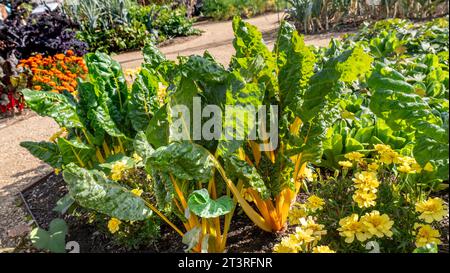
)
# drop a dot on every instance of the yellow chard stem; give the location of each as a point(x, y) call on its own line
point(154, 209)
point(251, 213)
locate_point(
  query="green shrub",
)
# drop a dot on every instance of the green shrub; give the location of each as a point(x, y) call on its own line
point(226, 9)
point(119, 25)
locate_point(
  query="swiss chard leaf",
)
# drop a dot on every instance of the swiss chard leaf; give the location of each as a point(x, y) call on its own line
point(91, 189)
point(45, 151)
point(184, 160)
point(56, 106)
point(201, 204)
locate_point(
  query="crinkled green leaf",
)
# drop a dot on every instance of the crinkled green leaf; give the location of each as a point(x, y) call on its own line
point(45, 151)
point(326, 85)
point(241, 169)
point(74, 151)
point(184, 160)
point(143, 100)
point(56, 106)
point(157, 131)
point(92, 190)
point(200, 203)
point(64, 204)
point(295, 62)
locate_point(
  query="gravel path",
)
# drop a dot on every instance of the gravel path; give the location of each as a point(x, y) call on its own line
point(18, 168)
point(217, 38)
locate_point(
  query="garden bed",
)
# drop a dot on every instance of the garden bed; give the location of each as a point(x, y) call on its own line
point(244, 236)
point(42, 196)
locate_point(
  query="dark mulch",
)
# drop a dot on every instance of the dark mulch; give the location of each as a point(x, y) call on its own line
point(244, 236)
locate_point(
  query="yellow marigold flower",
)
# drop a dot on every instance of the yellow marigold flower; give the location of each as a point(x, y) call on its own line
point(382, 148)
point(416, 167)
point(404, 168)
point(373, 166)
point(117, 170)
point(314, 203)
point(354, 156)
point(322, 249)
point(137, 192)
point(432, 209)
point(408, 165)
point(298, 211)
point(389, 156)
point(364, 199)
point(428, 167)
point(161, 94)
point(377, 225)
point(317, 229)
point(136, 157)
point(350, 228)
point(114, 225)
point(303, 236)
point(366, 180)
point(307, 174)
point(346, 164)
point(427, 235)
point(287, 245)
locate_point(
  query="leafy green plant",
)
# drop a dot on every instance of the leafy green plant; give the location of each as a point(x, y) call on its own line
point(120, 25)
point(322, 15)
point(53, 240)
point(226, 9)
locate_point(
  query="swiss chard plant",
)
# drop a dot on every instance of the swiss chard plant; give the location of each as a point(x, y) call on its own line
point(198, 178)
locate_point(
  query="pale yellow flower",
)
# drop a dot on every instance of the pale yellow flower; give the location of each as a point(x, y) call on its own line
point(137, 192)
point(114, 225)
point(346, 164)
point(117, 170)
point(432, 209)
point(317, 229)
point(428, 167)
point(137, 157)
point(303, 236)
point(322, 249)
point(381, 148)
point(364, 199)
point(351, 228)
point(389, 156)
point(307, 174)
point(404, 168)
point(354, 156)
point(366, 180)
point(377, 225)
point(426, 234)
point(287, 245)
point(373, 166)
point(314, 203)
point(408, 165)
point(298, 211)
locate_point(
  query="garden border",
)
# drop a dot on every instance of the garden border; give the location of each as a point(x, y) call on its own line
point(32, 184)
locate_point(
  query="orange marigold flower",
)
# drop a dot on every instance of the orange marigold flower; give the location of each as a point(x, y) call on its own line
point(60, 56)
